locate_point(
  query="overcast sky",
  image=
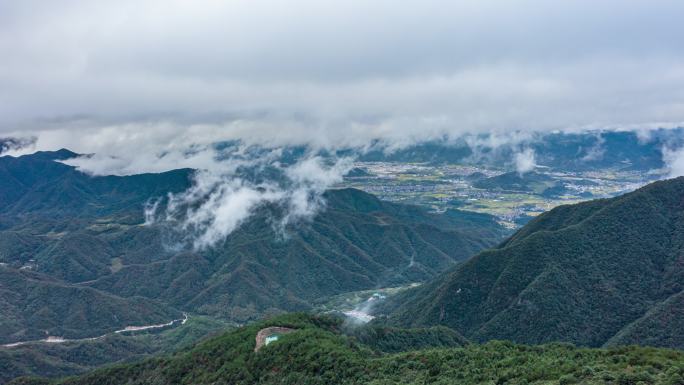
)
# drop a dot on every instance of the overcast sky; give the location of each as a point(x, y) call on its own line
point(103, 76)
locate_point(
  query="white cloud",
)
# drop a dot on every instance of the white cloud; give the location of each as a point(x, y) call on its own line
point(596, 151)
point(525, 161)
point(311, 177)
point(221, 199)
point(674, 160)
point(94, 74)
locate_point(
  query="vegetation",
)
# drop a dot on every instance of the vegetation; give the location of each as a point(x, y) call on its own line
point(75, 357)
point(81, 236)
point(602, 272)
point(34, 306)
point(394, 340)
point(75, 260)
point(319, 353)
point(660, 326)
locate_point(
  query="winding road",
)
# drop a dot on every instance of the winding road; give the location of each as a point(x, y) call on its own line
point(59, 340)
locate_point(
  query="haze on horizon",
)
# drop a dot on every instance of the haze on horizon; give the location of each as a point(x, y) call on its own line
point(160, 77)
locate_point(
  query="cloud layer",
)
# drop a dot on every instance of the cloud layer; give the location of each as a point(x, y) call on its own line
point(94, 75)
point(220, 200)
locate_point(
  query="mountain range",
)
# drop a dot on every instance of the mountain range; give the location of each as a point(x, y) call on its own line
point(78, 261)
point(600, 273)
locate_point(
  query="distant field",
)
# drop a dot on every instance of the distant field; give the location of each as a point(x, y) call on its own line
point(449, 186)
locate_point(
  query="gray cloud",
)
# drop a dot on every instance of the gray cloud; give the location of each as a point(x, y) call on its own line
point(10, 145)
point(154, 85)
point(332, 73)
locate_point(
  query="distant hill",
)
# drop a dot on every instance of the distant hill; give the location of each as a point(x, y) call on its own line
point(65, 232)
point(318, 352)
point(430, 152)
point(603, 272)
point(75, 357)
point(530, 182)
point(559, 151)
point(358, 172)
point(39, 186)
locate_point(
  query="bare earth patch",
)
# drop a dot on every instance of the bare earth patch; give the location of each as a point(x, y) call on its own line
point(266, 335)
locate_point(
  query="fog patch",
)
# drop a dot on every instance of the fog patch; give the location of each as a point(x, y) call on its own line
point(596, 151)
point(674, 161)
point(219, 201)
point(525, 161)
point(362, 313)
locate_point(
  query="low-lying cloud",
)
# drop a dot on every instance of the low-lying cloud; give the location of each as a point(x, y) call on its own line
point(674, 159)
point(219, 202)
point(525, 161)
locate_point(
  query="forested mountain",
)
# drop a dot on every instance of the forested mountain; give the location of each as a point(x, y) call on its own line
point(530, 182)
point(317, 351)
point(598, 273)
point(52, 237)
point(77, 258)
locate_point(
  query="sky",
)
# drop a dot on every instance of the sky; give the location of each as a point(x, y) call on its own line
point(129, 77)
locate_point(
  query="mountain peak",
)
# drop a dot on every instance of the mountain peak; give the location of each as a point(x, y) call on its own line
point(61, 154)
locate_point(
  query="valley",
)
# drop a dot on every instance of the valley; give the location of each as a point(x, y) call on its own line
point(77, 356)
point(461, 186)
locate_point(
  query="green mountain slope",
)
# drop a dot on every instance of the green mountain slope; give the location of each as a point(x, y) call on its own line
point(43, 188)
point(33, 306)
point(317, 352)
point(358, 242)
point(662, 325)
point(579, 273)
point(75, 357)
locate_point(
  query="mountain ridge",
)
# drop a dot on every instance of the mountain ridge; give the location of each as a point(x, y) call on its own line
point(318, 350)
point(578, 273)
